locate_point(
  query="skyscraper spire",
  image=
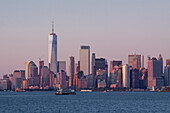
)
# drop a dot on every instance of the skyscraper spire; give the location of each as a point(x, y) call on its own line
point(53, 26)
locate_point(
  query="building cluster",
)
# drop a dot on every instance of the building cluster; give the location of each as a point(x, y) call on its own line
point(82, 75)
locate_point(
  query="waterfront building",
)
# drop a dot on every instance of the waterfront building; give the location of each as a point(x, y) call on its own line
point(134, 78)
point(52, 51)
point(63, 83)
point(71, 71)
point(45, 76)
point(18, 83)
point(18, 76)
point(75, 81)
point(85, 59)
point(167, 75)
point(7, 82)
point(126, 75)
point(143, 80)
point(101, 65)
point(90, 79)
point(4, 84)
point(61, 80)
point(155, 72)
point(158, 82)
point(52, 80)
point(100, 78)
point(120, 78)
point(83, 84)
point(24, 83)
point(101, 84)
point(113, 79)
point(80, 81)
point(115, 76)
point(41, 66)
point(31, 73)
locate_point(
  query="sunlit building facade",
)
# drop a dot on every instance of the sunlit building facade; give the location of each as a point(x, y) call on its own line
point(71, 71)
point(155, 72)
point(31, 73)
point(52, 52)
point(85, 59)
point(126, 75)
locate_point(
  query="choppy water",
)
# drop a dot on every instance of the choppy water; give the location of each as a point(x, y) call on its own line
point(83, 102)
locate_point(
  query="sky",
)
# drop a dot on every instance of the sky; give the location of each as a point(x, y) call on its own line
point(112, 28)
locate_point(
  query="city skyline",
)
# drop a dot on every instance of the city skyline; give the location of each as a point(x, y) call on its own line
point(107, 33)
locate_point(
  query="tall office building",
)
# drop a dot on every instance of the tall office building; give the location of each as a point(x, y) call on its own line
point(161, 60)
point(31, 73)
point(85, 59)
point(147, 61)
point(167, 62)
point(115, 76)
point(143, 80)
point(101, 66)
point(52, 51)
point(142, 61)
point(31, 70)
point(61, 65)
point(27, 69)
point(115, 64)
point(41, 66)
point(120, 78)
point(45, 76)
point(155, 73)
point(93, 64)
point(63, 81)
point(167, 75)
point(71, 71)
point(18, 76)
point(135, 63)
point(139, 58)
point(134, 78)
point(126, 75)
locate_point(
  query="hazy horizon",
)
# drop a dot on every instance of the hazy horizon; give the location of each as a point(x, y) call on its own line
point(112, 28)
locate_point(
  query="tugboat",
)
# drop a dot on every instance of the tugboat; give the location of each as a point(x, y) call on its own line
point(65, 92)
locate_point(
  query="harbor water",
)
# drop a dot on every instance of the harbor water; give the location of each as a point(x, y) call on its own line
point(85, 102)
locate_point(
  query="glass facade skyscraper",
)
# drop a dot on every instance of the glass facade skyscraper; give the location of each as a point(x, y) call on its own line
point(52, 51)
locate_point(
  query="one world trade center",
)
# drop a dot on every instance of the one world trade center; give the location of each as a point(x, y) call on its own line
point(52, 51)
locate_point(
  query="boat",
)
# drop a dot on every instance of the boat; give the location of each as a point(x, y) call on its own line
point(167, 89)
point(19, 90)
point(65, 92)
point(83, 90)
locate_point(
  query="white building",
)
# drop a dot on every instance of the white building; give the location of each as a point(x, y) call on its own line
point(52, 51)
point(126, 75)
point(85, 59)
